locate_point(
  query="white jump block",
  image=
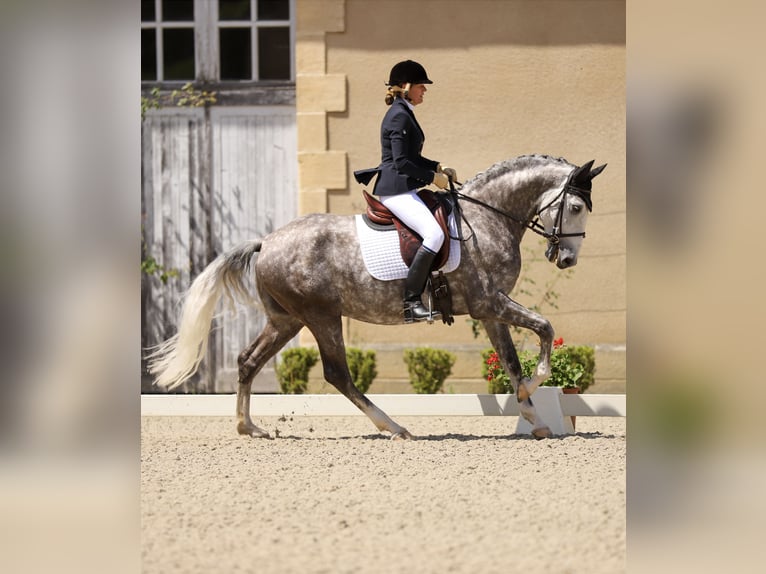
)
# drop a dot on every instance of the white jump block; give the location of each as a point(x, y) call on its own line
point(547, 401)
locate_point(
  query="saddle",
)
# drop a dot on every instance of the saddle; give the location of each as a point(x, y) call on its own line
point(409, 240)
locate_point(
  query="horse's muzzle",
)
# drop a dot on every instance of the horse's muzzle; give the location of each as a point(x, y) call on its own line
point(552, 252)
point(566, 262)
point(563, 258)
point(566, 259)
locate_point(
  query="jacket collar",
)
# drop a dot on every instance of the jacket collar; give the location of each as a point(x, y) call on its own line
point(410, 110)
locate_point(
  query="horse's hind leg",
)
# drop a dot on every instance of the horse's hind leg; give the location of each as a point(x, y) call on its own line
point(274, 336)
point(329, 336)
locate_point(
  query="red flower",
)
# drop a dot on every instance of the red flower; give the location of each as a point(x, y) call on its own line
point(557, 343)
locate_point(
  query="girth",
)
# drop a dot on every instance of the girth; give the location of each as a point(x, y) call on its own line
point(409, 240)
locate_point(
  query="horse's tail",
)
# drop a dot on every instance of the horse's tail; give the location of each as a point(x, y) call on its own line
point(175, 360)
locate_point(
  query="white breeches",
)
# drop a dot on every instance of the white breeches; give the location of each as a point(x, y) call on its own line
point(411, 210)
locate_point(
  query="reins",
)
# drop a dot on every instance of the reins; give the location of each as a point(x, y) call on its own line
point(534, 225)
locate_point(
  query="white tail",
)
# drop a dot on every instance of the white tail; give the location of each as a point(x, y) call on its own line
point(178, 358)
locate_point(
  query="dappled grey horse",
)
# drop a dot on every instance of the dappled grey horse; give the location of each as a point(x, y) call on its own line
point(311, 273)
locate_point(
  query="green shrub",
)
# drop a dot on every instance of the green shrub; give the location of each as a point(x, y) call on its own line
point(428, 368)
point(565, 372)
point(293, 369)
point(362, 365)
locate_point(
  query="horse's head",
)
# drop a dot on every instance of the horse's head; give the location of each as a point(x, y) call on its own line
point(564, 213)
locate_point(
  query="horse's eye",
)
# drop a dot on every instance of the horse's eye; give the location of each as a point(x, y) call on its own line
point(575, 208)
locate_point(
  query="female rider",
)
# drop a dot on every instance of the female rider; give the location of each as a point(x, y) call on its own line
point(402, 171)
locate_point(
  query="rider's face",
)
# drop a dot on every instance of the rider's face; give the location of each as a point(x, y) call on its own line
point(416, 93)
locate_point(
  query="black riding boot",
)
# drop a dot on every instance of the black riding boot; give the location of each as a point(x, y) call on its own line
point(414, 310)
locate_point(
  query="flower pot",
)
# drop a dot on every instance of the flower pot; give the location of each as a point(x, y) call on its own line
point(571, 391)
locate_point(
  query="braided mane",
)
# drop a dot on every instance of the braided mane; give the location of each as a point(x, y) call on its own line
point(519, 163)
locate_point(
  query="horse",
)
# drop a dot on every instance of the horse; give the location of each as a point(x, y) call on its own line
point(310, 273)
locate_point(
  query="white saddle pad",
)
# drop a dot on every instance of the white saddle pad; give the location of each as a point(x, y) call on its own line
point(380, 251)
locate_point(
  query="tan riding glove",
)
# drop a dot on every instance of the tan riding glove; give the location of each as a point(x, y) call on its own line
point(440, 180)
point(449, 172)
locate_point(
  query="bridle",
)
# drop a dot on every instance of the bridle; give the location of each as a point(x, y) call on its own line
point(555, 235)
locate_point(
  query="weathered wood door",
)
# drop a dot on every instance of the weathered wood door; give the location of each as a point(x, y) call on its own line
point(210, 179)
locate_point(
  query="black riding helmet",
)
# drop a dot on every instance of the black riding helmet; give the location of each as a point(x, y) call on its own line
point(408, 72)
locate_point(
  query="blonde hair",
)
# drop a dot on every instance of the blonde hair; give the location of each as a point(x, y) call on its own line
point(394, 92)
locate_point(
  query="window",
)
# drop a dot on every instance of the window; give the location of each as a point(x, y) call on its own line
point(167, 40)
point(217, 40)
point(254, 39)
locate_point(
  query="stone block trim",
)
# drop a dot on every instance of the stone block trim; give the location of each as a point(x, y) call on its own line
point(320, 92)
point(319, 16)
point(317, 93)
point(312, 201)
point(325, 170)
point(310, 54)
point(312, 131)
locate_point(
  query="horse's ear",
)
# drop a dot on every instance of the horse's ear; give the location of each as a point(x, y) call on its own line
point(596, 171)
point(580, 173)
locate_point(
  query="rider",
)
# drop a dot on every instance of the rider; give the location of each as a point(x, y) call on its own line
point(403, 170)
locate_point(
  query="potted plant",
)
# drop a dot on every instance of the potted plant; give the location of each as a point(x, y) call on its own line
point(565, 372)
point(572, 369)
point(498, 381)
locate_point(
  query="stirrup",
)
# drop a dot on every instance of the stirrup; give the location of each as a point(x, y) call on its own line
point(415, 311)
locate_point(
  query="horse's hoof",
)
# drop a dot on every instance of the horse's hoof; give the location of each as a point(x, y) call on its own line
point(252, 431)
point(542, 432)
point(404, 434)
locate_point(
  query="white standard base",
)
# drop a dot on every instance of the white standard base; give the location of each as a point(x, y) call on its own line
point(547, 401)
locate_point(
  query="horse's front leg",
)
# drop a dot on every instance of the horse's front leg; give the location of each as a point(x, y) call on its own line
point(329, 336)
point(506, 312)
point(336, 373)
point(513, 313)
point(500, 337)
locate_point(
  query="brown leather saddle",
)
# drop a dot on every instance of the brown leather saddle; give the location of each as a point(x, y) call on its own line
point(409, 241)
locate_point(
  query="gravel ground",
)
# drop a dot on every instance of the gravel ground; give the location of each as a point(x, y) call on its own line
point(330, 494)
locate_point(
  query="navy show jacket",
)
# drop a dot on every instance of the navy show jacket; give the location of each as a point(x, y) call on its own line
point(402, 166)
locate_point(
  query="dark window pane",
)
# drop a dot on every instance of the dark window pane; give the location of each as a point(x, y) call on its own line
point(234, 9)
point(178, 10)
point(273, 9)
point(178, 45)
point(236, 54)
point(148, 55)
point(274, 53)
point(147, 11)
